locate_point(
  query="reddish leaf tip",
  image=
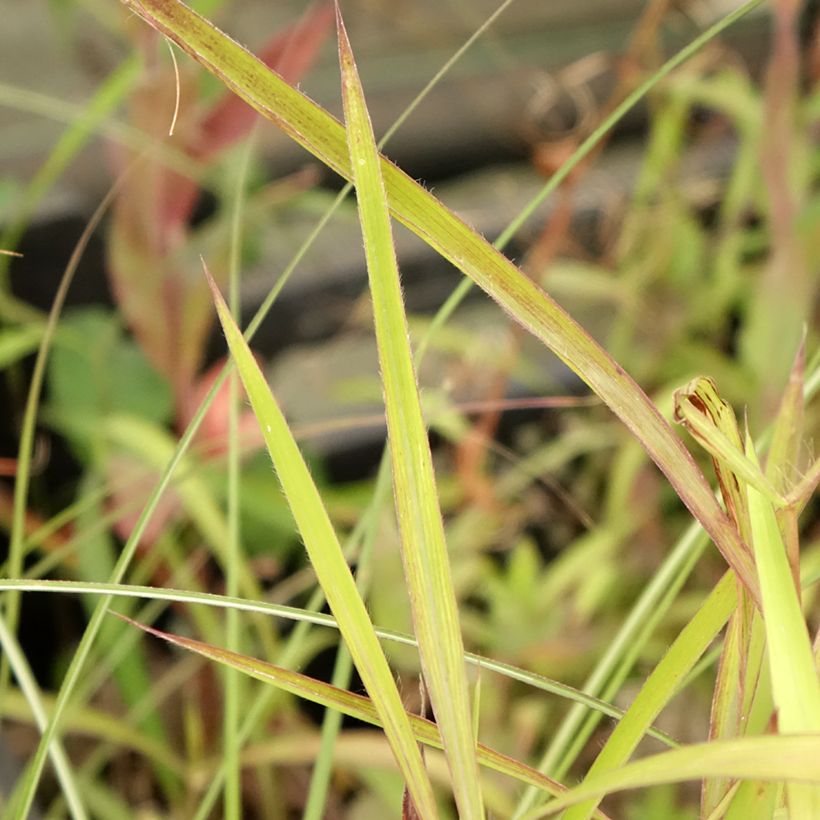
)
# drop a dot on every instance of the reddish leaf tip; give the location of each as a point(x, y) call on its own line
point(341, 33)
point(210, 279)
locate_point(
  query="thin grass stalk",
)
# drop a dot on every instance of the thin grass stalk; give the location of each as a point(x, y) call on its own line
point(31, 691)
point(29, 423)
point(233, 683)
point(308, 617)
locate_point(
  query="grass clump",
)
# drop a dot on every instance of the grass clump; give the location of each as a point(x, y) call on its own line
point(565, 564)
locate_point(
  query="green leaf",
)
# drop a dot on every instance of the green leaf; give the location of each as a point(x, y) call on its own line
point(332, 571)
point(791, 758)
point(17, 342)
point(795, 685)
point(424, 550)
point(96, 371)
point(660, 687)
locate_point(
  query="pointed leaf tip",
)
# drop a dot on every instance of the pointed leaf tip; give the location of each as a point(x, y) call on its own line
point(216, 293)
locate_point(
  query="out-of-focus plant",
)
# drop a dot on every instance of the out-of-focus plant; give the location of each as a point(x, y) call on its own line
point(154, 269)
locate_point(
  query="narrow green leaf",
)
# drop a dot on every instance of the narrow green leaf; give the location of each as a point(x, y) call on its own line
point(660, 687)
point(320, 133)
point(741, 660)
point(791, 661)
point(17, 342)
point(792, 758)
point(328, 561)
point(34, 703)
point(424, 550)
point(795, 685)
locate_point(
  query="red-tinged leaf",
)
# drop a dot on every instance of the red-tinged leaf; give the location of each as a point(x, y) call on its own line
point(357, 706)
point(291, 53)
point(735, 688)
point(167, 309)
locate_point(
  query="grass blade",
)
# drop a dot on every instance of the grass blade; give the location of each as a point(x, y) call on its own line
point(661, 686)
point(424, 550)
point(795, 685)
point(350, 704)
point(793, 758)
point(319, 619)
point(332, 570)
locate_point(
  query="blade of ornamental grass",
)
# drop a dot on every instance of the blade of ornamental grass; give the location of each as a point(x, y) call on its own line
point(332, 571)
point(424, 550)
point(660, 687)
point(795, 684)
point(321, 134)
point(794, 758)
point(348, 703)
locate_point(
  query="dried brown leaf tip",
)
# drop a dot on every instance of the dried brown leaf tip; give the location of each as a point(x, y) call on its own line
point(712, 423)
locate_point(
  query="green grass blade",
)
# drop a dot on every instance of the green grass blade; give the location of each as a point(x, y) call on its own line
point(320, 133)
point(424, 550)
point(233, 683)
point(662, 685)
point(795, 684)
point(328, 561)
point(791, 660)
point(736, 685)
point(792, 758)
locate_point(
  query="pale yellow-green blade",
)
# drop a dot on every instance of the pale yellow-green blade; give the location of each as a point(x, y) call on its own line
point(332, 571)
point(794, 758)
point(795, 684)
point(661, 686)
point(320, 133)
point(424, 550)
point(735, 687)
